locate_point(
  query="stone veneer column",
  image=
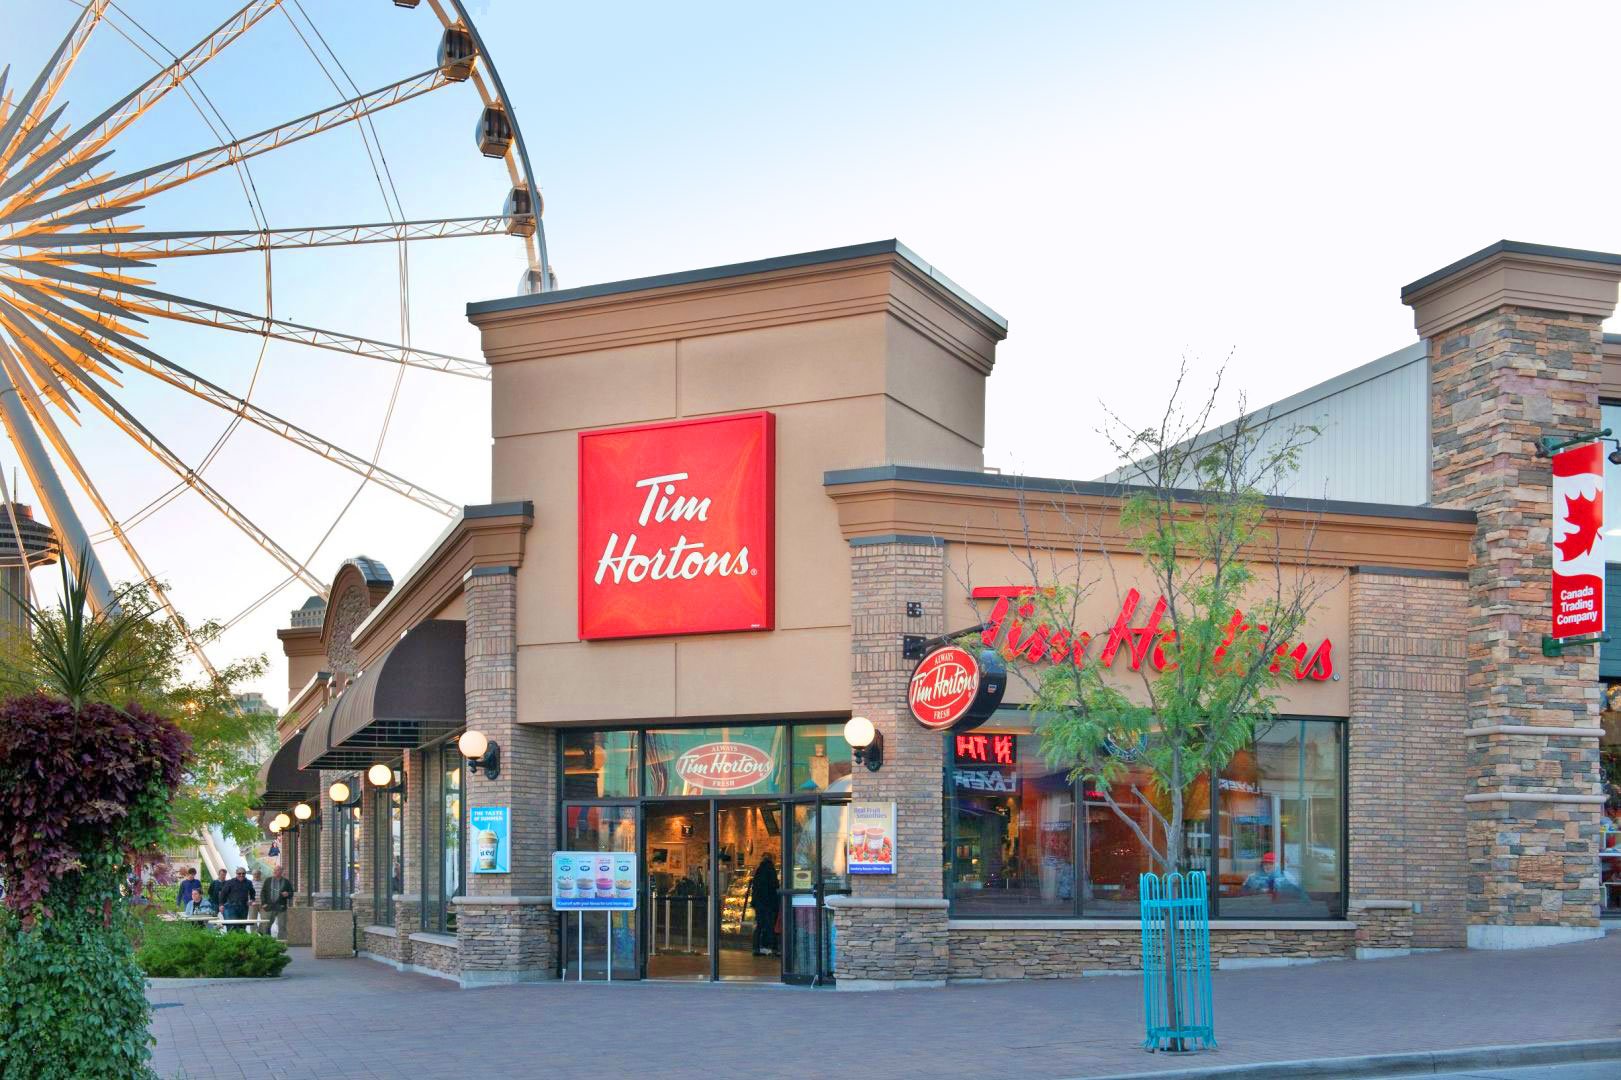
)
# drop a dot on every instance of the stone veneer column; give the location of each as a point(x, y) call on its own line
point(1408, 764)
point(332, 931)
point(408, 902)
point(1515, 350)
point(505, 925)
point(892, 929)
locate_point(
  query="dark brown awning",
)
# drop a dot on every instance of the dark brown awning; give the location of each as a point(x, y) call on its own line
point(415, 693)
point(281, 782)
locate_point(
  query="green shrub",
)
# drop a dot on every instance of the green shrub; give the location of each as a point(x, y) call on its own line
point(198, 954)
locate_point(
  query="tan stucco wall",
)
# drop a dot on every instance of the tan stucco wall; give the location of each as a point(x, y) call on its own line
point(848, 390)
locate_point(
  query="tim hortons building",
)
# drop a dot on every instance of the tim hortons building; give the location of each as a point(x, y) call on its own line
point(724, 501)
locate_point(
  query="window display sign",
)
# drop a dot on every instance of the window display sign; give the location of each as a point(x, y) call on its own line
point(594, 881)
point(872, 837)
point(676, 527)
point(742, 760)
point(1578, 541)
point(980, 749)
point(491, 827)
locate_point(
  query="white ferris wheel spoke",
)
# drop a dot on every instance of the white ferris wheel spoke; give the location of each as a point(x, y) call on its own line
point(81, 476)
point(146, 182)
point(111, 408)
point(176, 375)
point(18, 132)
point(176, 244)
point(136, 301)
point(100, 131)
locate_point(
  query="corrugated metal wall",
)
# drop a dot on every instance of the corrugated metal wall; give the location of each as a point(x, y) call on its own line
point(1373, 444)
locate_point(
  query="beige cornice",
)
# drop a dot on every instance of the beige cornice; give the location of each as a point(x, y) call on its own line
point(1506, 274)
point(885, 283)
point(301, 641)
point(495, 540)
point(997, 515)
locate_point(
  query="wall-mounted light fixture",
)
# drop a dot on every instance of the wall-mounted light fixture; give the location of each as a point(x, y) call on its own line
point(385, 777)
point(280, 823)
point(867, 742)
point(481, 753)
point(303, 811)
point(342, 794)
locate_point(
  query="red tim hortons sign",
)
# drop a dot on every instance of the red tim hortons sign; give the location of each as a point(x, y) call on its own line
point(952, 688)
point(1578, 541)
point(677, 525)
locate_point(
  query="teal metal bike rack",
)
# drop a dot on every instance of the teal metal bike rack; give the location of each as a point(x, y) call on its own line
point(1176, 961)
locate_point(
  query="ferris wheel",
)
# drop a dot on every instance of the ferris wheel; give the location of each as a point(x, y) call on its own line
point(83, 281)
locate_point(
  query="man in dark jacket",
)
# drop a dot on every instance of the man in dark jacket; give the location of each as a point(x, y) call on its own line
point(273, 900)
point(214, 888)
point(235, 896)
point(189, 893)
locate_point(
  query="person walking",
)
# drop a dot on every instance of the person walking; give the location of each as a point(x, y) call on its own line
point(255, 908)
point(274, 900)
point(764, 893)
point(214, 889)
point(235, 897)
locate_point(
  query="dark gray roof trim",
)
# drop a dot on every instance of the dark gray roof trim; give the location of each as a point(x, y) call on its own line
point(731, 270)
point(897, 538)
point(373, 571)
point(517, 507)
point(839, 477)
point(1410, 572)
point(1510, 247)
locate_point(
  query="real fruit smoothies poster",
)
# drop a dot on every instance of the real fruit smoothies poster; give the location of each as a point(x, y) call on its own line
point(491, 829)
point(872, 837)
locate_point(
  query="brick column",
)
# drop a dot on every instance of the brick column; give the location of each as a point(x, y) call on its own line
point(1407, 760)
point(408, 903)
point(505, 925)
point(1515, 347)
point(892, 929)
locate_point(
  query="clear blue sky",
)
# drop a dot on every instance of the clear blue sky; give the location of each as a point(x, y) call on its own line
point(1127, 184)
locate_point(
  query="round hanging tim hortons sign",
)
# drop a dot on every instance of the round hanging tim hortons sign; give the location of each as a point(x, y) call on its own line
point(953, 688)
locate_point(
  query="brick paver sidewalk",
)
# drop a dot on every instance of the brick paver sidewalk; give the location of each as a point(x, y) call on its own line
point(336, 1019)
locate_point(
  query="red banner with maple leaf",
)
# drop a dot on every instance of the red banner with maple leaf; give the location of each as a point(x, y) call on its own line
point(1578, 541)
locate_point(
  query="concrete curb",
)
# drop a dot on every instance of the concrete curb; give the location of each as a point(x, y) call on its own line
point(1413, 1064)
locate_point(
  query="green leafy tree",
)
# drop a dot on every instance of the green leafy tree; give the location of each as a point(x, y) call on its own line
point(140, 655)
point(1195, 510)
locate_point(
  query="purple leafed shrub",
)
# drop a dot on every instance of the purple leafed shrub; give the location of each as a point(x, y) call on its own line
point(78, 786)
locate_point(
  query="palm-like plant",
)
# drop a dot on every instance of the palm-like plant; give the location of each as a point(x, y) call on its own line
point(75, 649)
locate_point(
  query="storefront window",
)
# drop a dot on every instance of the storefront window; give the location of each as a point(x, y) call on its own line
point(443, 827)
point(388, 857)
point(600, 764)
point(821, 758)
point(743, 760)
point(1012, 824)
point(1279, 815)
point(1270, 832)
point(351, 834)
point(601, 828)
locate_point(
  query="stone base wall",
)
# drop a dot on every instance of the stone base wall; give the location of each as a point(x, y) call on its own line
point(888, 944)
point(1385, 929)
point(506, 939)
point(435, 956)
point(382, 943)
point(1058, 954)
point(1534, 862)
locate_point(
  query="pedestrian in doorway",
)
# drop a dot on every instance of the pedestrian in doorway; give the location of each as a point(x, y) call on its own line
point(764, 893)
point(274, 900)
point(236, 896)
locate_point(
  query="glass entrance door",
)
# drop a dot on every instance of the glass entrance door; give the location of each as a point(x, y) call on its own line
point(677, 910)
point(748, 890)
point(817, 834)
